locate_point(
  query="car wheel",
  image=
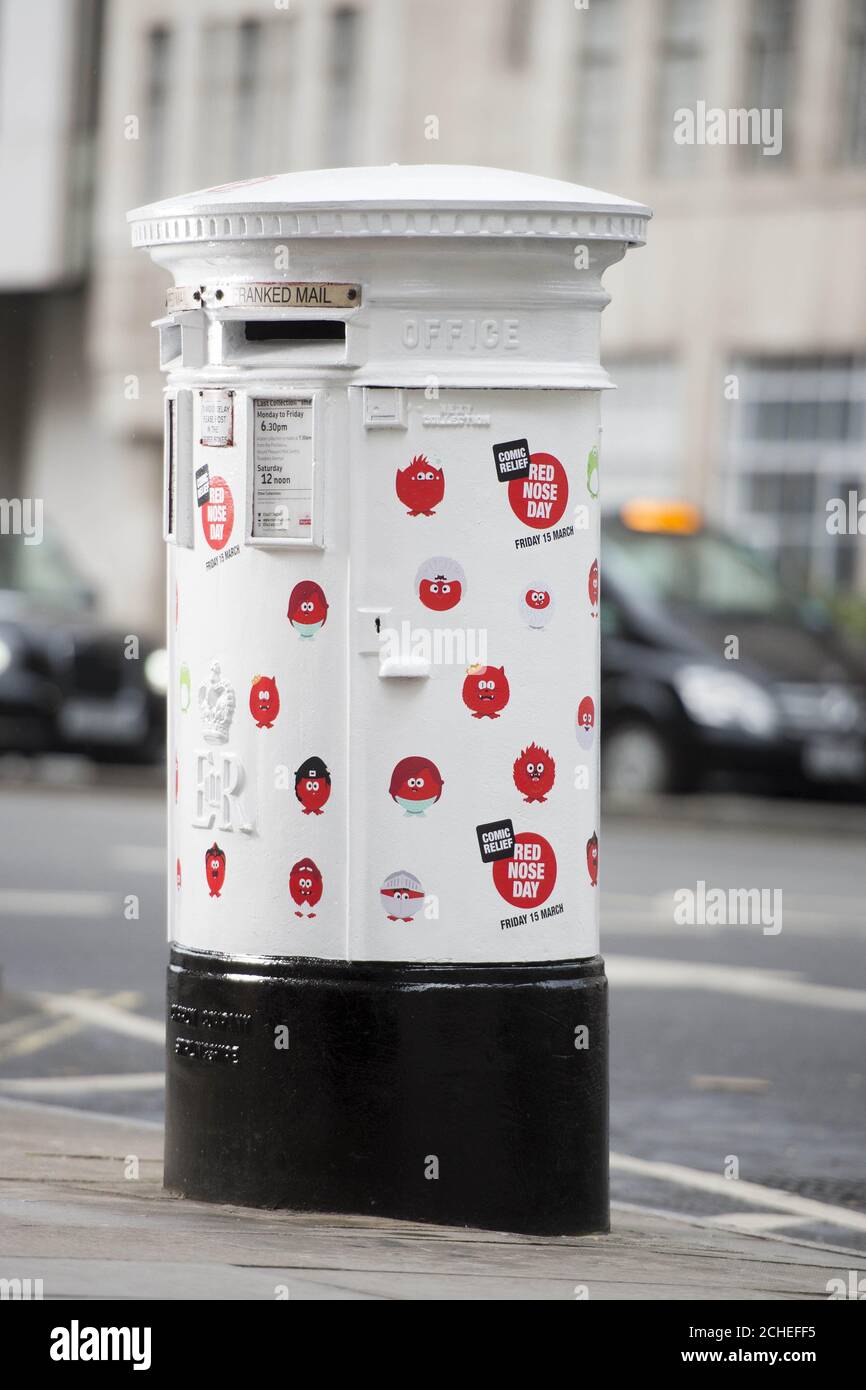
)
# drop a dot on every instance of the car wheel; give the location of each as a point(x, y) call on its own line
point(636, 761)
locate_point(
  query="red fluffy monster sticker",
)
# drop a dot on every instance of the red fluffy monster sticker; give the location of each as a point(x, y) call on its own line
point(529, 877)
point(440, 584)
point(313, 786)
point(585, 722)
point(308, 608)
point(420, 487)
point(416, 785)
point(593, 588)
point(215, 869)
point(177, 873)
point(541, 499)
point(486, 691)
point(592, 858)
point(305, 886)
point(264, 701)
point(534, 773)
point(218, 514)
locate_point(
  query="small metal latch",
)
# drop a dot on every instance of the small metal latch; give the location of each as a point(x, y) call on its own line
point(384, 408)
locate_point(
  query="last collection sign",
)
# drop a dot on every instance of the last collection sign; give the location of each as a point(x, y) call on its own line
point(283, 469)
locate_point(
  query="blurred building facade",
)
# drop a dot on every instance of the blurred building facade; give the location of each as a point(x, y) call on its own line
point(739, 347)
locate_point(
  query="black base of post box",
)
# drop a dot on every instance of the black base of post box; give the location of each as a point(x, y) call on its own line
point(470, 1095)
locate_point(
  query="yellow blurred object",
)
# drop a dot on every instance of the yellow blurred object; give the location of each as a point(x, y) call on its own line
point(653, 514)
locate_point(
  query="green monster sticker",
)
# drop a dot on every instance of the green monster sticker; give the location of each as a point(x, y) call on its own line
point(185, 688)
point(592, 472)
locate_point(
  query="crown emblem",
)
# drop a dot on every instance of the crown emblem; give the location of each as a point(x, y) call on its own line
point(216, 703)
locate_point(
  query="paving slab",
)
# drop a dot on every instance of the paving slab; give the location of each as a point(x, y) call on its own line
point(82, 1208)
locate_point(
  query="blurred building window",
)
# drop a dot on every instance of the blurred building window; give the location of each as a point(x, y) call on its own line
point(248, 87)
point(595, 118)
point(641, 452)
point(854, 89)
point(769, 70)
point(681, 78)
point(158, 80)
point(518, 28)
point(342, 85)
point(280, 134)
point(231, 84)
point(798, 440)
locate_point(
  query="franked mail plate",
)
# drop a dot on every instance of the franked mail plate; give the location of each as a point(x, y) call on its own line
point(263, 294)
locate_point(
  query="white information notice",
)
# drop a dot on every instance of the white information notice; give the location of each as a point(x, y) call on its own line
point(217, 418)
point(283, 469)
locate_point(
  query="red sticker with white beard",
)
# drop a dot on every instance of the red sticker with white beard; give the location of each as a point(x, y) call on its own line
point(529, 877)
point(218, 514)
point(540, 500)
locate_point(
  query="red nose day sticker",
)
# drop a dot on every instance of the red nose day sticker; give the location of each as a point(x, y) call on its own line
point(540, 499)
point(218, 514)
point(530, 875)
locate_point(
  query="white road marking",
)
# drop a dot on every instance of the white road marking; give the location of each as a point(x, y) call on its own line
point(652, 914)
point(65, 902)
point(18, 1025)
point(757, 1222)
point(38, 1038)
point(94, 1117)
point(102, 1014)
point(44, 1034)
point(141, 859)
point(749, 1085)
point(778, 986)
point(739, 1190)
point(84, 1085)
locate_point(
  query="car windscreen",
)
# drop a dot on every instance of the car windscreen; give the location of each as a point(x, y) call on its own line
point(702, 570)
point(40, 573)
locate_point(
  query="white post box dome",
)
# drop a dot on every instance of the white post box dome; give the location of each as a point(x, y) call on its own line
point(381, 507)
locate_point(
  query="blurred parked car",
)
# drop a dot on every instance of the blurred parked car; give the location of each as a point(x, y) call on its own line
point(66, 682)
point(710, 667)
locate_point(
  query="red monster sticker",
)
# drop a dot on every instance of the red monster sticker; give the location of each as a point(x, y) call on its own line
point(486, 691)
point(218, 514)
point(305, 886)
point(440, 584)
point(540, 500)
point(592, 858)
point(416, 785)
point(308, 608)
point(585, 722)
point(177, 872)
point(593, 588)
point(534, 773)
point(529, 876)
point(313, 786)
point(215, 869)
point(536, 606)
point(264, 701)
point(420, 487)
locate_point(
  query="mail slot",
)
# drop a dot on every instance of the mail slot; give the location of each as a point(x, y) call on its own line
point(382, 468)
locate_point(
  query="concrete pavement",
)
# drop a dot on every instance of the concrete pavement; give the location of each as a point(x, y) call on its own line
point(82, 1209)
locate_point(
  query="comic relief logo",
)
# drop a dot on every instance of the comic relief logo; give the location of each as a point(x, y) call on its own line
point(530, 875)
point(540, 499)
point(218, 514)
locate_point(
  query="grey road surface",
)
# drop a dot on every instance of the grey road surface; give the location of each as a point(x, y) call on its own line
point(738, 1057)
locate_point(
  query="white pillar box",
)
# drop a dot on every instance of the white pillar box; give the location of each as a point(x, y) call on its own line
point(381, 508)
